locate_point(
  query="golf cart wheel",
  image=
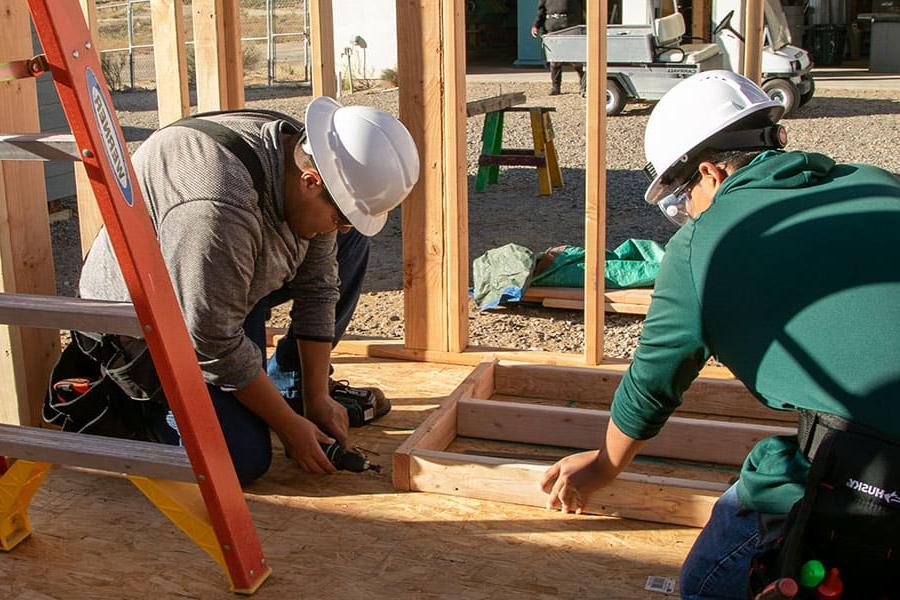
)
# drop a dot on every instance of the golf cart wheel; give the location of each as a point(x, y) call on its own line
point(615, 98)
point(784, 93)
point(804, 98)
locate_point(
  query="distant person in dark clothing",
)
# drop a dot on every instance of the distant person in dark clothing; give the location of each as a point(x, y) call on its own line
point(553, 15)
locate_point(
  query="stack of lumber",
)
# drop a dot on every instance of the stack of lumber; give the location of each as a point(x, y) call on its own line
point(633, 301)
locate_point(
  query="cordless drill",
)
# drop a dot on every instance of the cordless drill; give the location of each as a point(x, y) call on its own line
point(351, 459)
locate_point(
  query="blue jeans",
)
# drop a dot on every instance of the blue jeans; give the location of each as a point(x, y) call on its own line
point(246, 435)
point(718, 565)
point(353, 258)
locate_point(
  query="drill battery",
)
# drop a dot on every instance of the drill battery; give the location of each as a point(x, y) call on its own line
point(364, 404)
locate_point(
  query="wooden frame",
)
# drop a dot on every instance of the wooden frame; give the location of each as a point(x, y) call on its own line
point(423, 463)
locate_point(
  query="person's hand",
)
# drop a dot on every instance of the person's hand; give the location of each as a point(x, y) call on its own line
point(330, 415)
point(534, 31)
point(572, 480)
point(303, 442)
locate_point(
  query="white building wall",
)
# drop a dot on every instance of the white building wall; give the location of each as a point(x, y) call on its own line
point(375, 22)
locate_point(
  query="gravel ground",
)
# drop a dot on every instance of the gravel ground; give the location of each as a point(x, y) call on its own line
point(850, 126)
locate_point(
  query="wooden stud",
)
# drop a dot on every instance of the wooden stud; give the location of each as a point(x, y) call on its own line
point(699, 440)
point(419, 67)
point(634, 496)
point(456, 198)
point(553, 169)
point(321, 29)
point(89, 219)
point(595, 184)
point(708, 395)
point(26, 260)
point(217, 55)
point(173, 101)
point(754, 24)
point(60, 313)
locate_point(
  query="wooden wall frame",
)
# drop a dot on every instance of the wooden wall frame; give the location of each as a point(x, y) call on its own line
point(423, 463)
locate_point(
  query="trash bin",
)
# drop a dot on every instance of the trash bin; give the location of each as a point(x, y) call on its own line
point(826, 44)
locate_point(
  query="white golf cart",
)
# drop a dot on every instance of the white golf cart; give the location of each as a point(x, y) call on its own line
point(646, 61)
point(786, 69)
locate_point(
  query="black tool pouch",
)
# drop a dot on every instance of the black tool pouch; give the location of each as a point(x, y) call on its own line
point(849, 516)
point(119, 395)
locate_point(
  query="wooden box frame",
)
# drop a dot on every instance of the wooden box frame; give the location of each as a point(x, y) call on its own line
point(423, 463)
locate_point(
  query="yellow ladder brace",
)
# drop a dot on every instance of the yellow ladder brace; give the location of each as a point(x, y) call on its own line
point(181, 502)
point(17, 487)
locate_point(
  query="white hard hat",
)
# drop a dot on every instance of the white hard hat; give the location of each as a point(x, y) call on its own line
point(688, 118)
point(366, 158)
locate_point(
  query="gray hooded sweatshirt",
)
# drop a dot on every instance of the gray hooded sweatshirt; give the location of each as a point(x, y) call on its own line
point(224, 250)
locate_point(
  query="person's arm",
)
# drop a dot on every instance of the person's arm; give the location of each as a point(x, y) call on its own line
point(572, 480)
point(669, 357)
point(321, 408)
point(539, 19)
point(300, 436)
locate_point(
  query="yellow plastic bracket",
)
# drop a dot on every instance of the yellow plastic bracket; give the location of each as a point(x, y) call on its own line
point(183, 504)
point(17, 487)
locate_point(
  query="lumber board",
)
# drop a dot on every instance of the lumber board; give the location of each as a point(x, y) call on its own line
point(624, 296)
point(610, 307)
point(422, 105)
point(494, 103)
point(595, 184)
point(60, 313)
point(697, 440)
point(456, 199)
point(632, 495)
point(170, 60)
point(217, 57)
point(39, 146)
point(701, 15)
point(754, 24)
point(321, 46)
point(706, 396)
point(96, 452)
point(26, 259)
point(439, 429)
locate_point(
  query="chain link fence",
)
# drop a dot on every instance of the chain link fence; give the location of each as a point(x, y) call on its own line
point(274, 42)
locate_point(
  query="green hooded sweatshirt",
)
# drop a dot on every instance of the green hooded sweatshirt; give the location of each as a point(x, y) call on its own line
point(791, 279)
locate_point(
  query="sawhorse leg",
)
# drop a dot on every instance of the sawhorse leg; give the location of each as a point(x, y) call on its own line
point(491, 145)
point(537, 131)
point(550, 149)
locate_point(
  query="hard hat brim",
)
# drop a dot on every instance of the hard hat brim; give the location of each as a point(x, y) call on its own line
point(771, 111)
point(318, 122)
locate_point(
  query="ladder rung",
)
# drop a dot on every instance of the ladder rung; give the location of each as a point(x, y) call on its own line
point(38, 146)
point(59, 312)
point(53, 146)
point(159, 461)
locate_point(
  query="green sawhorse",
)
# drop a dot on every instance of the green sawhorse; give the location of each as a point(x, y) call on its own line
point(543, 156)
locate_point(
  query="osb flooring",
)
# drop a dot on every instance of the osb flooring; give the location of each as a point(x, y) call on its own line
point(341, 536)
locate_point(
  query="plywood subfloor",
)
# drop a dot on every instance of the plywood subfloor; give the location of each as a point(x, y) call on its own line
point(342, 536)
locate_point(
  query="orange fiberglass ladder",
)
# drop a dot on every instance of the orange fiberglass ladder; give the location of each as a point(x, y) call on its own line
point(196, 487)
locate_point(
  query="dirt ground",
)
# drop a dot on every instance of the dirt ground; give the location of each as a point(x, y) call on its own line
point(850, 126)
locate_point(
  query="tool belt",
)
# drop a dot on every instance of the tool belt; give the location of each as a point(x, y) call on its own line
point(849, 515)
point(97, 386)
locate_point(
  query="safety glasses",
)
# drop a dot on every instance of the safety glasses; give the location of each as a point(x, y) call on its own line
point(676, 206)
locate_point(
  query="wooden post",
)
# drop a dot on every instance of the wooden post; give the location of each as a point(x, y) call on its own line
point(321, 41)
point(455, 174)
point(217, 55)
point(26, 260)
point(595, 184)
point(421, 110)
point(89, 219)
point(701, 15)
point(753, 36)
point(173, 102)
